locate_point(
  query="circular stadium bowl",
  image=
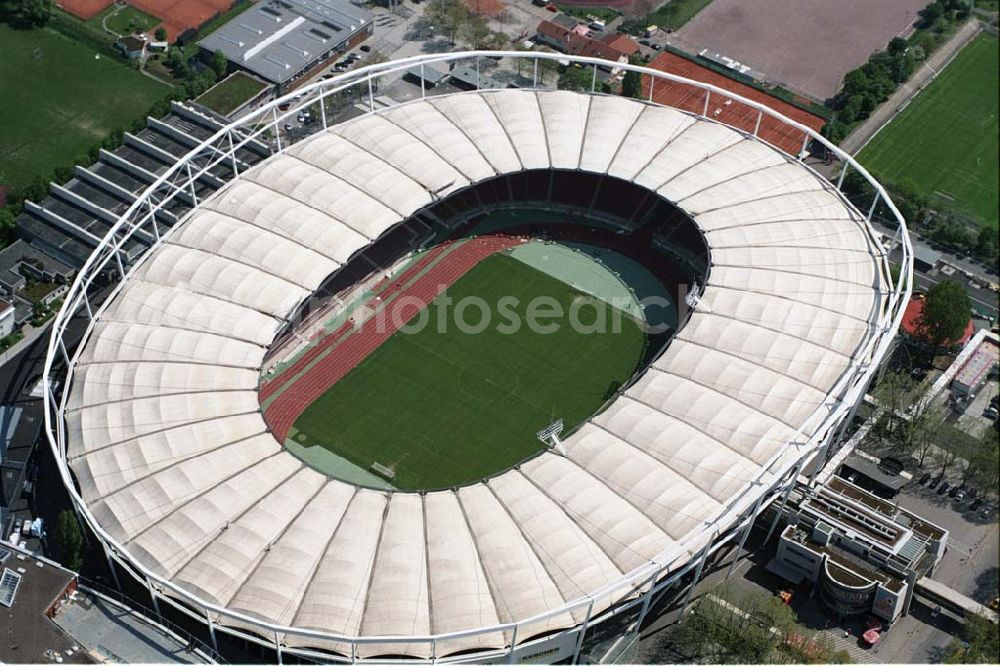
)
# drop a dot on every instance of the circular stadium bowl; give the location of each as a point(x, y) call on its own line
point(155, 422)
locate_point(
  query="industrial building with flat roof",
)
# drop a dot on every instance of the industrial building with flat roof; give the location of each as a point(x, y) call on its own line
point(283, 40)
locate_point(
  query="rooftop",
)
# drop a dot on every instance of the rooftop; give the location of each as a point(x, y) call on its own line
point(30, 636)
point(278, 38)
point(978, 366)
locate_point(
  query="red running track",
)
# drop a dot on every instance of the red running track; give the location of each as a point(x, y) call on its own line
point(349, 352)
point(332, 339)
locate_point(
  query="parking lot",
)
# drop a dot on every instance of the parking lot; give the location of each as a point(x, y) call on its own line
point(971, 564)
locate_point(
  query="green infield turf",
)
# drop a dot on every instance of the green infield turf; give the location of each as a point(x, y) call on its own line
point(947, 139)
point(443, 408)
point(59, 100)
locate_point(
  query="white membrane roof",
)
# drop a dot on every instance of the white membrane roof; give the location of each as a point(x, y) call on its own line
point(174, 460)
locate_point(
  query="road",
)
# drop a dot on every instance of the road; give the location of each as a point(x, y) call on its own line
point(863, 133)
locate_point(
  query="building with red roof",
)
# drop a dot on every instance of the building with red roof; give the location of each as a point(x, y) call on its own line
point(913, 327)
point(572, 40)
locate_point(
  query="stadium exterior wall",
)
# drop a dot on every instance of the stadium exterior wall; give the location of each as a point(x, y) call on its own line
point(645, 582)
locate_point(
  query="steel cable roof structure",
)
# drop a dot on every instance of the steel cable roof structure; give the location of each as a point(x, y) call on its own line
point(156, 423)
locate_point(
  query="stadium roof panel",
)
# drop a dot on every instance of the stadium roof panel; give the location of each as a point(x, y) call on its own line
point(197, 491)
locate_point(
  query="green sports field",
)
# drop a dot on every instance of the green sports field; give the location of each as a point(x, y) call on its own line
point(947, 139)
point(447, 408)
point(59, 101)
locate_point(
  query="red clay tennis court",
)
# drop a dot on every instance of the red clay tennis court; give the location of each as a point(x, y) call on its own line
point(724, 109)
point(180, 15)
point(176, 15)
point(85, 9)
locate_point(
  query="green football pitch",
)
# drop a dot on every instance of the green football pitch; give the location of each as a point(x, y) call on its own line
point(59, 100)
point(947, 139)
point(443, 407)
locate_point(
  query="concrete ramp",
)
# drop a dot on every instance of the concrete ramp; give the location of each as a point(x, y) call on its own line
point(946, 596)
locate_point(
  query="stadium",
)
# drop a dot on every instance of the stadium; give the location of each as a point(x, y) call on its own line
point(251, 441)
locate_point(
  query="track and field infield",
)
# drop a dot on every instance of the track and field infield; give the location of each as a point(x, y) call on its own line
point(442, 407)
point(59, 101)
point(946, 140)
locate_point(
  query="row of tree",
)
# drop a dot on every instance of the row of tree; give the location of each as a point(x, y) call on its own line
point(925, 435)
point(24, 14)
point(957, 231)
point(867, 86)
point(735, 626)
point(455, 21)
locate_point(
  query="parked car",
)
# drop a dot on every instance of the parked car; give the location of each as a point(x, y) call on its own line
point(986, 512)
point(954, 491)
point(934, 482)
point(959, 494)
point(365, 48)
point(991, 413)
point(943, 488)
point(925, 478)
point(975, 504)
point(288, 127)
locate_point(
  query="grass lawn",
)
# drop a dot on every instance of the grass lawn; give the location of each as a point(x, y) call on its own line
point(443, 409)
point(581, 12)
point(947, 139)
point(226, 96)
point(674, 14)
point(125, 20)
point(59, 101)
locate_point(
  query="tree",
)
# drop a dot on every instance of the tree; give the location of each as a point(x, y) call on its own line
point(983, 461)
point(734, 626)
point(980, 643)
point(925, 423)
point(8, 226)
point(24, 14)
point(897, 46)
point(177, 62)
point(475, 31)
point(946, 313)
point(69, 540)
point(931, 13)
point(835, 131)
point(219, 64)
point(161, 34)
point(855, 83)
point(986, 242)
point(892, 394)
point(576, 78)
point(632, 81)
point(448, 17)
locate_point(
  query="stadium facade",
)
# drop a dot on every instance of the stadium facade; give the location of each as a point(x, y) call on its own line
point(155, 421)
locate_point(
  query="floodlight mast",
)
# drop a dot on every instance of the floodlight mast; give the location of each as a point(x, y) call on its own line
point(549, 436)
